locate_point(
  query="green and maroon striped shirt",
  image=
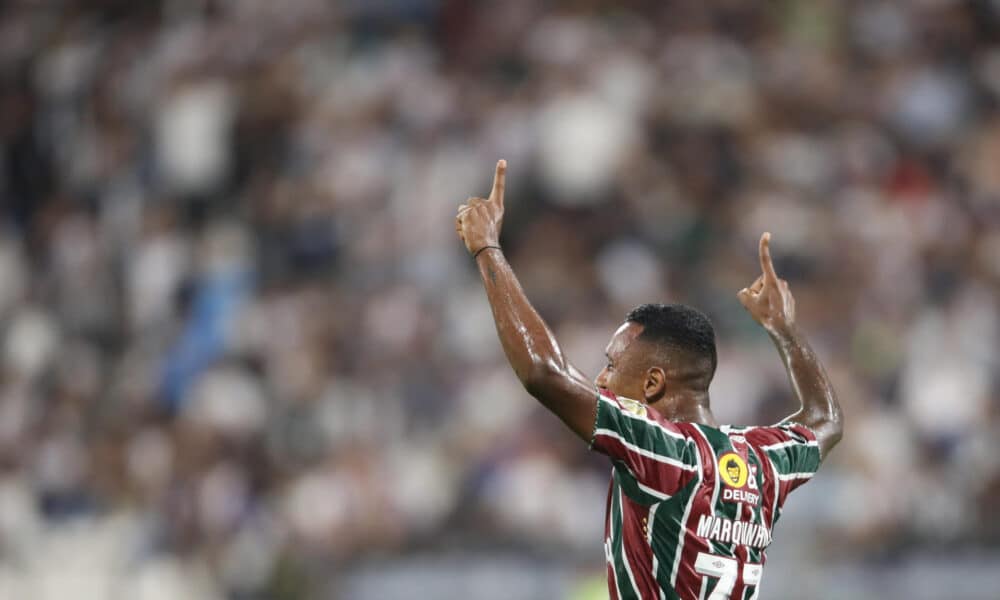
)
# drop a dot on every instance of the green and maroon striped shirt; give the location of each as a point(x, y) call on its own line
point(691, 507)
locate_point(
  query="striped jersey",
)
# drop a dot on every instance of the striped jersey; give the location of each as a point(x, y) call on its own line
point(690, 507)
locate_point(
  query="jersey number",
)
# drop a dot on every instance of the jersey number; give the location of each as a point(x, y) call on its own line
point(726, 570)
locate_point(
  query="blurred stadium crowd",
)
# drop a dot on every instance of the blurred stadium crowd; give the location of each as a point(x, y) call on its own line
point(242, 350)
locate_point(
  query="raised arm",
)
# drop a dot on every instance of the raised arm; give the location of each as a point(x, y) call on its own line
point(527, 341)
point(771, 304)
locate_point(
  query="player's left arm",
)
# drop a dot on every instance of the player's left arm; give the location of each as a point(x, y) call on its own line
point(769, 301)
point(527, 341)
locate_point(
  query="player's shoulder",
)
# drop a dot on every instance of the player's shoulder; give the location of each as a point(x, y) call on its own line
point(767, 436)
point(641, 411)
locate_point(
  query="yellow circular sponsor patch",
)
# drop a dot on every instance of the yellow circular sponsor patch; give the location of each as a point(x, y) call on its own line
point(733, 470)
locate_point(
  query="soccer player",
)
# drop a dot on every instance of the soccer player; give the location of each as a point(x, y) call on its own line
point(692, 503)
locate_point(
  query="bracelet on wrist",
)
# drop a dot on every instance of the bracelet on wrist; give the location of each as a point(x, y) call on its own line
point(475, 254)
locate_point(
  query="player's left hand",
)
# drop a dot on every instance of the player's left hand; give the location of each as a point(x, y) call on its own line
point(479, 221)
point(768, 300)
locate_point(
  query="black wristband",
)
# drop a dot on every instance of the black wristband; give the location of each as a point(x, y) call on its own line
point(475, 255)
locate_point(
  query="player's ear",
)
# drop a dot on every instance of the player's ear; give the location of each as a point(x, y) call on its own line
point(654, 384)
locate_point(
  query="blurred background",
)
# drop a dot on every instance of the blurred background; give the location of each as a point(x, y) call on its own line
point(243, 355)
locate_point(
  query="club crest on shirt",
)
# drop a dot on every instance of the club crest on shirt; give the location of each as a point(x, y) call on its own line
point(630, 405)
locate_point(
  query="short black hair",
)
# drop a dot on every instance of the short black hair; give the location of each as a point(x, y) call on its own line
point(680, 327)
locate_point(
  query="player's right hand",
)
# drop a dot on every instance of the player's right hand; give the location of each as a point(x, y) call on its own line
point(768, 299)
point(479, 220)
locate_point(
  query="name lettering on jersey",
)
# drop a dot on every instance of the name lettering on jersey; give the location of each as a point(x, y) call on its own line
point(727, 531)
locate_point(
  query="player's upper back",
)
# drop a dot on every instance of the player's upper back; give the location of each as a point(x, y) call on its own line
point(692, 507)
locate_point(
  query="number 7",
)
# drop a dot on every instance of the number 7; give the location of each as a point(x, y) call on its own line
point(726, 570)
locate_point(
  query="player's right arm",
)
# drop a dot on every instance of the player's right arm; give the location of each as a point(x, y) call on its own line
point(529, 344)
point(771, 304)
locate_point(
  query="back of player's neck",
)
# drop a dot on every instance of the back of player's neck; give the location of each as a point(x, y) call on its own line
point(691, 407)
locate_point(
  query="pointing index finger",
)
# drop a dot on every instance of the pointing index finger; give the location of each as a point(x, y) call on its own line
point(499, 181)
point(765, 258)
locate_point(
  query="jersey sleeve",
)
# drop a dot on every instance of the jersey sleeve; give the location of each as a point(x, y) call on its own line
point(792, 449)
point(653, 453)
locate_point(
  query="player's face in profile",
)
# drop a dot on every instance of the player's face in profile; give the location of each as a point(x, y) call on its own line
point(619, 374)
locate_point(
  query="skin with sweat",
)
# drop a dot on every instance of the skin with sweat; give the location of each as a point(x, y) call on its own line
point(667, 382)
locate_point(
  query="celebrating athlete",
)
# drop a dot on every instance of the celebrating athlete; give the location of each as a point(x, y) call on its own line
point(692, 503)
